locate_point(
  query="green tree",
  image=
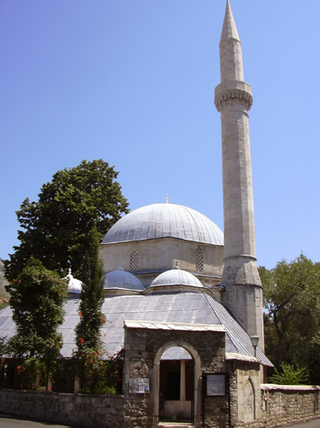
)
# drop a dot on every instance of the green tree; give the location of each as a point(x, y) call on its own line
point(92, 296)
point(94, 373)
point(292, 314)
point(55, 229)
point(37, 298)
point(4, 296)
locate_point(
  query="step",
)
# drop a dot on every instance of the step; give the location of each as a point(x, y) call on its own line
point(175, 425)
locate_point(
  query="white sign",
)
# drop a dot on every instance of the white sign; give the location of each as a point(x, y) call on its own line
point(139, 385)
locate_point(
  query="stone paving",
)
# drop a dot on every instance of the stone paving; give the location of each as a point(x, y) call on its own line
point(7, 421)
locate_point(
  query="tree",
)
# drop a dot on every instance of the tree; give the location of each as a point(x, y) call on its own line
point(55, 229)
point(37, 298)
point(292, 314)
point(94, 373)
point(92, 296)
point(4, 296)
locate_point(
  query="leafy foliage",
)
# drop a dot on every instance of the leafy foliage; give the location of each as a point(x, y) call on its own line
point(29, 374)
point(92, 296)
point(55, 229)
point(292, 318)
point(289, 375)
point(96, 375)
point(37, 297)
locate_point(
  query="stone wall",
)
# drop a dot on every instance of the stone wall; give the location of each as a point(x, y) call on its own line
point(85, 411)
point(280, 406)
point(284, 405)
point(245, 394)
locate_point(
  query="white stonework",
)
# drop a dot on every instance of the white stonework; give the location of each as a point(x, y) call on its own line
point(233, 98)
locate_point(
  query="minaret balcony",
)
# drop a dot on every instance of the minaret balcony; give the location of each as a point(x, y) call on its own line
point(233, 92)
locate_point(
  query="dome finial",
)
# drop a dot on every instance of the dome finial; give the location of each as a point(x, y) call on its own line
point(69, 271)
point(177, 264)
point(167, 199)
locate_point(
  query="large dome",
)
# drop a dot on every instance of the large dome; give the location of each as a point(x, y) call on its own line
point(163, 221)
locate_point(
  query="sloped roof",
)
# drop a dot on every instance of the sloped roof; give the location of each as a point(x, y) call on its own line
point(181, 307)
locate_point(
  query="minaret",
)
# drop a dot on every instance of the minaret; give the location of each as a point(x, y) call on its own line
point(233, 98)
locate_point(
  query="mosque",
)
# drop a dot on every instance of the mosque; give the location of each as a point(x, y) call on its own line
point(183, 299)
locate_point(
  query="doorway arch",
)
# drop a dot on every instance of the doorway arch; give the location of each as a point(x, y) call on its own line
point(196, 378)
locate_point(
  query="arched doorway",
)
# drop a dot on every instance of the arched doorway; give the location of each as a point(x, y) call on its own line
point(176, 385)
point(177, 371)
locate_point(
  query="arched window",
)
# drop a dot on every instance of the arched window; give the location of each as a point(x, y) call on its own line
point(134, 260)
point(199, 262)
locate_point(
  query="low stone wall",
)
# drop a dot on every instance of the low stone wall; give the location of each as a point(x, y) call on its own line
point(85, 411)
point(280, 406)
point(284, 404)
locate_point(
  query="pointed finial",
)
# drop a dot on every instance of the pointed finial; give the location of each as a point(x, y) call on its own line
point(69, 271)
point(167, 199)
point(229, 28)
point(231, 67)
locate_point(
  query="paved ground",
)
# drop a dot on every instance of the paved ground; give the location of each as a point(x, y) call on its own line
point(11, 422)
point(311, 424)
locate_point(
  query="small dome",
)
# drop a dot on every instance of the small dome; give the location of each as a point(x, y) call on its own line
point(121, 279)
point(165, 221)
point(176, 277)
point(74, 285)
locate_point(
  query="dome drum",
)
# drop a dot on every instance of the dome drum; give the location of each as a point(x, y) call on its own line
point(146, 259)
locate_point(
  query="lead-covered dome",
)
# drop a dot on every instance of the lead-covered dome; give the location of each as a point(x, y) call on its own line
point(122, 280)
point(175, 278)
point(163, 221)
point(74, 285)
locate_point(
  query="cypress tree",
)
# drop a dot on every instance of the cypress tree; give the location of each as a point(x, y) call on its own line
point(89, 345)
point(92, 295)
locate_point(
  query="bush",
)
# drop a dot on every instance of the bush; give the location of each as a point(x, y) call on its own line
point(290, 375)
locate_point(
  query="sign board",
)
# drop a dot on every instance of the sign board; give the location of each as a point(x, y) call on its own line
point(139, 385)
point(215, 385)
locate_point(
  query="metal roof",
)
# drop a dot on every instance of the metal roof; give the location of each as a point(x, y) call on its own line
point(162, 221)
point(121, 279)
point(178, 326)
point(175, 277)
point(182, 307)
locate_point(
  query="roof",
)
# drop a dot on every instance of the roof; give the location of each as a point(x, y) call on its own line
point(74, 285)
point(182, 307)
point(121, 279)
point(177, 326)
point(175, 277)
point(162, 221)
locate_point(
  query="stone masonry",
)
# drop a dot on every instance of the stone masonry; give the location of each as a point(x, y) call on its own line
point(144, 345)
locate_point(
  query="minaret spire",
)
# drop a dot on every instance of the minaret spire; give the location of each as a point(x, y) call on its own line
point(231, 66)
point(229, 29)
point(233, 99)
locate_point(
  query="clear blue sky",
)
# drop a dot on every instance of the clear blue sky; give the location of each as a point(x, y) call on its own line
point(132, 82)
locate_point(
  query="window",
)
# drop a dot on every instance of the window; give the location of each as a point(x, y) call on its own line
point(134, 260)
point(199, 262)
